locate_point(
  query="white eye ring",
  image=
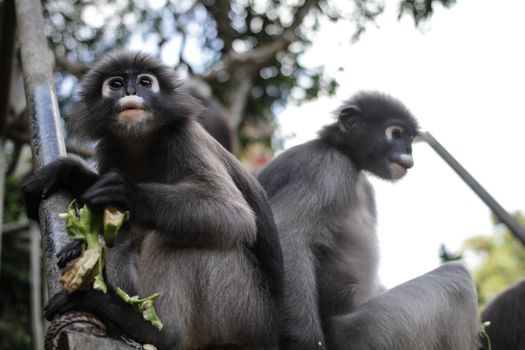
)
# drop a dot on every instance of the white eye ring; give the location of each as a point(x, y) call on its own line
point(153, 81)
point(106, 85)
point(394, 132)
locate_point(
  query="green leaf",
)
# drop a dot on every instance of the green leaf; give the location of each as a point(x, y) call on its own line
point(113, 220)
point(125, 296)
point(85, 217)
point(144, 305)
point(99, 284)
point(80, 274)
point(149, 314)
point(87, 270)
point(483, 332)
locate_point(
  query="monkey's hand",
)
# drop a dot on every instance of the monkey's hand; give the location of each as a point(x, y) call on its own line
point(63, 174)
point(69, 252)
point(111, 190)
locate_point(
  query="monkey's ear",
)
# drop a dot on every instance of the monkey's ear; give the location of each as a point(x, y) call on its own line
point(348, 117)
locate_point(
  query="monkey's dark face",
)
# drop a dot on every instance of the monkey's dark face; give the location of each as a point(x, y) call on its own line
point(399, 139)
point(129, 95)
point(384, 149)
point(132, 96)
point(377, 131)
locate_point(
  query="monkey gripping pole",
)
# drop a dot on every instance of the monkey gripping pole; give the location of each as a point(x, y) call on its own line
point(517, 230)
point(47, 144)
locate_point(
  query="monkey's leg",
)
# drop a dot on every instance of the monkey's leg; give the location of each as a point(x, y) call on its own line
point(118, 316)
point(435, 311)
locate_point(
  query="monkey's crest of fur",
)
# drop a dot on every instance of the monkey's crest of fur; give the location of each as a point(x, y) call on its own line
point(378, 106)
point(92, 115)
point(373, 108)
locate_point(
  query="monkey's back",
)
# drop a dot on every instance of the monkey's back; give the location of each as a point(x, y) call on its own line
point(324, 205)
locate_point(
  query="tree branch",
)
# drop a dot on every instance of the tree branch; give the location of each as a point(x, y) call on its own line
point(220, 9)
point(63, 64)
point(236, 98)
point(182, 31)
point(263, 55)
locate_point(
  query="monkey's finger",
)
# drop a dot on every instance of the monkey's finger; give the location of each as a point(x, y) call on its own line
point(111, 178)
point(99, 204)
point(100, 198)
point(105, 182)
point(105, 192)
point(71, 251)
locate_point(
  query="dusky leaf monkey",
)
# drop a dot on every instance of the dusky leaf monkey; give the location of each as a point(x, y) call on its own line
point(201, 232)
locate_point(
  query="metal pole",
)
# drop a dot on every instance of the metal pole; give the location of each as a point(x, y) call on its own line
point(47, 141)
point(517, 230)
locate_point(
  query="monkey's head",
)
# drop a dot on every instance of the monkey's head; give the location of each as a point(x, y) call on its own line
point(376, 131)
point(129, 94)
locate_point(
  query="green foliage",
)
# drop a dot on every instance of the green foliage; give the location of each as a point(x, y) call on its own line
point(503, 261)
point(15, 322)
point(484, 335)
point(83, 30)
point(13, 207)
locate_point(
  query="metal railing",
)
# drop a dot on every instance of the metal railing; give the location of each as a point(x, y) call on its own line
point(517, 230)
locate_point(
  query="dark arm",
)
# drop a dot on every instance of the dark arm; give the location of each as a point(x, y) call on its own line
point(65, 174)
point(196, 212)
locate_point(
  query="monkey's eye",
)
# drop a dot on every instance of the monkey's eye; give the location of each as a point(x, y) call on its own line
point(145, 81)
point(148, 81)
point(394, 132)
point(115, 84)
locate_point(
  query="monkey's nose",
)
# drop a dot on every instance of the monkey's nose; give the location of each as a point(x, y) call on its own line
point(131, 91)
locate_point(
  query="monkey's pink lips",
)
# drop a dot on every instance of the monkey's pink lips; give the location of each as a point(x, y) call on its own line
point(400, 166)
point(133, 112)
point(398, 170)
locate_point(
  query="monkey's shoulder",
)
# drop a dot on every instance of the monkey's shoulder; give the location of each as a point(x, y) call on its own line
point(312, 165)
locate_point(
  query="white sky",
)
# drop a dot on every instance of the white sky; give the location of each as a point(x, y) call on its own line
point(464, 79)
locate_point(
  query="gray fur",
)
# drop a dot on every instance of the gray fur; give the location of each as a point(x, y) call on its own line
point(201, 231)
point(210, 295)
point(434, 311)
point(325, 213)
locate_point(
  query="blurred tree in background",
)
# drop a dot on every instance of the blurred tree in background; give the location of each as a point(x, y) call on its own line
point(247, 52)
point(502, 261)
point(15, 321)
